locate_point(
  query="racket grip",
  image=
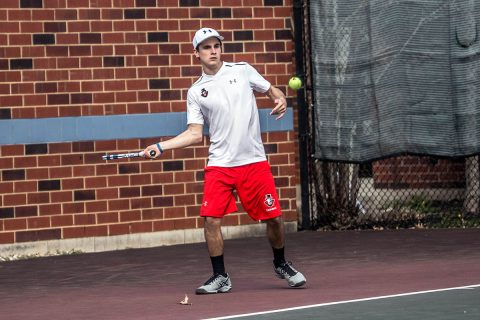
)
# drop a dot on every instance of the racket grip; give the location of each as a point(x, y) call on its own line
point(151, 152)
point(111, 157)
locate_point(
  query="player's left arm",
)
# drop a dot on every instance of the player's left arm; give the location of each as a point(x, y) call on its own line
point(278, 97)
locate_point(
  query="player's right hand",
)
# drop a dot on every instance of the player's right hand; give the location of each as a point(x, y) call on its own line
point(151, 152)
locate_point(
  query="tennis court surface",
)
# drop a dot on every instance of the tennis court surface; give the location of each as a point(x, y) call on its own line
point(398, 274)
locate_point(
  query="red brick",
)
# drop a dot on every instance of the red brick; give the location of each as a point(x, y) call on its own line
point(118, 181)
point(172, 189)
point(174, 212)
point(107, 169)
point(231, 220)
point(152, 214)
point(7, 237)
point(96, 231)
point(6, 187)
point(38, 235)
point(195, 164)
point(78, 207)
point(193, 211)
point(164, 177)
point(107, 217)
point(139, 227)
point(96, 206)
point(184, 176)
point(130, 216)
point(194, 187)
point(15, 224)
point(163, 225)
point(153, 166)
point(48, 161)
point(61, 172)
point(290, 215)
point(12, 150)
point(187, 223)
point(14, 199)
point(140, 203)
point(61, 220)
point(245, 219)
point(37, 174)
point(84, 219)
point(50, 209)
point(121, 204)
point(38, 197)
point(184, 200)
point(108, 193)
point(25, 186)
point(75, 232)
point(118, 229)
point(38, 223)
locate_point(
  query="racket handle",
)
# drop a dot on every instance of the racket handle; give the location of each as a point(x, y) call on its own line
point(151, 152)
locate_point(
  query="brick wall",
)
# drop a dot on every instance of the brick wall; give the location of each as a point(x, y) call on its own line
point(419, 172)
point(78, 58)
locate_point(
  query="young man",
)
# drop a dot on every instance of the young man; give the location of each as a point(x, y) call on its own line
point(223, 98)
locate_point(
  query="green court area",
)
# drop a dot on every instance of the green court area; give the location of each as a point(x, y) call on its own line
point(461, 303)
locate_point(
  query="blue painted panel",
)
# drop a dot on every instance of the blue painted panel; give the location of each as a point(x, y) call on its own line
point(66, 129)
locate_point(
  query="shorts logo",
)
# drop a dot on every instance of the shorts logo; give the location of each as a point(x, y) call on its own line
point(204, 93)
point(269, 201)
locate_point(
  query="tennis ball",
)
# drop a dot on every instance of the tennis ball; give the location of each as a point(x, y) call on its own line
point(295, 83)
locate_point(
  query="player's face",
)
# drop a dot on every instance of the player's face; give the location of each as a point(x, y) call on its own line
point(210, 53)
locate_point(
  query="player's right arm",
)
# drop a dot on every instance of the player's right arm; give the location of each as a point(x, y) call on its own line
point(193, 135)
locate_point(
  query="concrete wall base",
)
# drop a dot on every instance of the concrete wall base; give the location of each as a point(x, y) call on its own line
point(138, 240)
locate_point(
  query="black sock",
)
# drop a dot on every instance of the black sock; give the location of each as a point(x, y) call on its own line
point(278, 256)
point(218, 265)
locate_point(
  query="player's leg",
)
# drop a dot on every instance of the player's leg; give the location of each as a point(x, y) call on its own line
point(213, 236)
point(220, 280)
point(214, 239)
point(259, 198)
point(283, 269)
point(276, 236)
point(217, 201)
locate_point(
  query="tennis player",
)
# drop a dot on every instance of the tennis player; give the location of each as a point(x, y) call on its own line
point(223, 97)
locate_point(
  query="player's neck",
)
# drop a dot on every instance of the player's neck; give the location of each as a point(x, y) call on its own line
point(212, 69)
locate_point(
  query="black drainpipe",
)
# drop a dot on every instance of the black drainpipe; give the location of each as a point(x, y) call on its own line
point(302, 114)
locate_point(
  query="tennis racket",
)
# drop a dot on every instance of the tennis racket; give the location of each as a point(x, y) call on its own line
point(127, 155)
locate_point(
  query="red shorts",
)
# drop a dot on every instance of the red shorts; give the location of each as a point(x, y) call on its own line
point(254, 185)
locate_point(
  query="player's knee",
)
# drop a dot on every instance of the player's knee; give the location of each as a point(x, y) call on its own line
point(275, 222)
point(212, 223)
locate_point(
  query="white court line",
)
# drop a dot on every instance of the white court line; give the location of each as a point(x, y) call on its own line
point(473, 286)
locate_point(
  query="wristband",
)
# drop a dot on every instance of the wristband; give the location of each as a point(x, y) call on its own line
point(159, 148)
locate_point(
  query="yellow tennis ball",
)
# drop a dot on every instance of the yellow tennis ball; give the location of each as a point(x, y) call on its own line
point(295, 83)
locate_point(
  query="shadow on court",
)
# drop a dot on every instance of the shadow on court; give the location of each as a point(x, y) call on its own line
point(339, 266)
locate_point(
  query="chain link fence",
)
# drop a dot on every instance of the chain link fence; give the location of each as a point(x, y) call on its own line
point(399, 192)
point(404, 191)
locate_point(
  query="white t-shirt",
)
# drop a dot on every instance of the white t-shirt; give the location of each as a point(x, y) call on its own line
point(226, 102)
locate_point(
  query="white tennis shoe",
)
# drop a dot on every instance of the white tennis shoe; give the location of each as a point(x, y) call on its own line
point(216, 284)
point(288, 272)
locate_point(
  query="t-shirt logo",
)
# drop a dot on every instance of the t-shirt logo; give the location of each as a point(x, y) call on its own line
point(269, 201)
point(204, 93)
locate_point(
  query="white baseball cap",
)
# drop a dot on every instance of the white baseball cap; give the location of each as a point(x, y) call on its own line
point(203, 34)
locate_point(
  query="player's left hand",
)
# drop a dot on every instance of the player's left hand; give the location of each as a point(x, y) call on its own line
point(280, 108)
